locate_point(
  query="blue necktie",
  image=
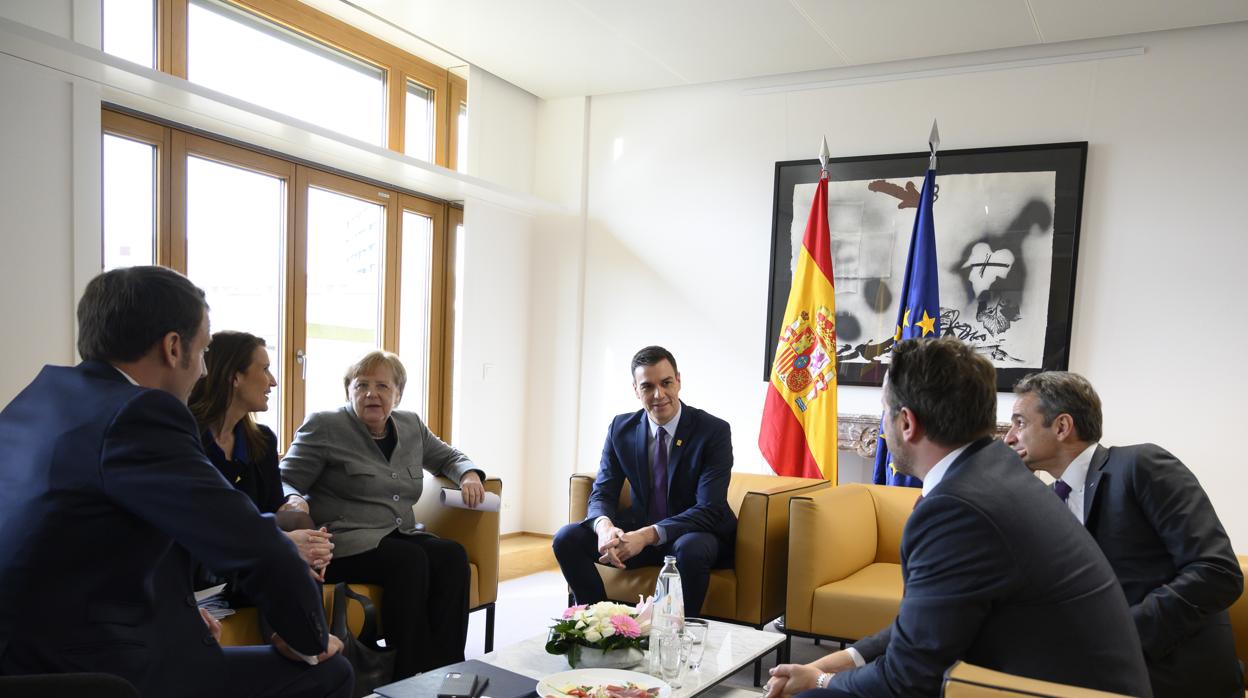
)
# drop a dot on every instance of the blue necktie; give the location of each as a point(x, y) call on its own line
point(658, 478)
point(1061, 489)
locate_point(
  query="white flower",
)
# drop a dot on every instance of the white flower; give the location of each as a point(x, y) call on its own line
point(607, 630)
point(593, 635)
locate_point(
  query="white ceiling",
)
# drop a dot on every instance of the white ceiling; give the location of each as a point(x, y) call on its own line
point(565, 48)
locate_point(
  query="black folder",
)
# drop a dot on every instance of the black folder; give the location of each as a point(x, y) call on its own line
point(503, 683)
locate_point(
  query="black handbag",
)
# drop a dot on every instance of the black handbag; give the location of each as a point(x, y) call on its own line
point(373, 665)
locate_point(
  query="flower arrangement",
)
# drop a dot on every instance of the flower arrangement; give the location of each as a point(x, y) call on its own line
point(604, 626)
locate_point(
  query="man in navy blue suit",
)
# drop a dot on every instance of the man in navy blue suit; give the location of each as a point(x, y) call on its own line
point(106, 497)
point(1154, 523)
point(677, 461)
point(996, 572)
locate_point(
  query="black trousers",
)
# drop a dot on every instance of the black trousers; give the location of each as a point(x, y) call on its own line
point(424, 605)
point(259, 671)
point(576, 549)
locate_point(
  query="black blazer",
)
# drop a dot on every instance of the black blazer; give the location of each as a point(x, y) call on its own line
point(1174, 560)
point(105, 494)
point(259, 479)
point(998, 573)
point(697, 487)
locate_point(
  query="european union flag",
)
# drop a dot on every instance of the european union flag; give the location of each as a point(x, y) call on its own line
point(918, 315)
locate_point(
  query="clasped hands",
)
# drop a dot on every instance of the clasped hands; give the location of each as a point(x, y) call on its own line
point(314, 545)
point(616, 546)
point(791, 679)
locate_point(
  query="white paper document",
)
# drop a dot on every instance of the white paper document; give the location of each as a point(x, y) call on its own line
point(454, 498)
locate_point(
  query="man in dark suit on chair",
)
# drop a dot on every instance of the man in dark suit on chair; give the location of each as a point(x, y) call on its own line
point(106, 496)
point(678, 460)
point(996, 572)
point(1154, 523)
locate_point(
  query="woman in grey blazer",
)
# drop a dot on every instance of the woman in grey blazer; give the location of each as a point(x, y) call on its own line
point(358, 470)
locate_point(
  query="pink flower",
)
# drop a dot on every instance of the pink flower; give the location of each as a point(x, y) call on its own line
point(625, 626)
point(573, 611)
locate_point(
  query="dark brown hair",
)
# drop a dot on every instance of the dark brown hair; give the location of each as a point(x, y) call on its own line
point(124, 312)
point(229, 354)
point(951, 390)
point(650, 356)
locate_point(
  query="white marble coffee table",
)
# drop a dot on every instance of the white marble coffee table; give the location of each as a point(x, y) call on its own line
point(729, 648)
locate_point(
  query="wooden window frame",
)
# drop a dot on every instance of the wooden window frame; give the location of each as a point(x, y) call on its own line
point(398, 65)
point(458, 97)
point(174, 146)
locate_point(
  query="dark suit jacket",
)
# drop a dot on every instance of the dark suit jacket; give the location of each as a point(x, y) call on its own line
point(1156, 526)
point(105, 494)
point(998, 573)
point(258, 478)
point(698, 473)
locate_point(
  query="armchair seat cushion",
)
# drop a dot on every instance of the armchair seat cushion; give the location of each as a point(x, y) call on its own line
point(859, 605)
point(625, 586)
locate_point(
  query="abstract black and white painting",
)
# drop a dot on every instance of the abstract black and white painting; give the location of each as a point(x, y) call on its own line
point(1006, 224)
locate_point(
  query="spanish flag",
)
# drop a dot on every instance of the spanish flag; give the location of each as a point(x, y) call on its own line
point(798, 434)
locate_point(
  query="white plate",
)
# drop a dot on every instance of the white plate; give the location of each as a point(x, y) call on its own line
point(549, 686)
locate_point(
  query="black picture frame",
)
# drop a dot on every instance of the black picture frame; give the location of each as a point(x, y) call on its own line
point(1067, 161)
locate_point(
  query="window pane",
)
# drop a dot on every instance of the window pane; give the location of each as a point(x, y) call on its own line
point(252, 59)
point(418, 132)
point(235, 223)
point(130, 30)
point(414, 309)
point(129, 202)
point(344, 291)
point(461, 139)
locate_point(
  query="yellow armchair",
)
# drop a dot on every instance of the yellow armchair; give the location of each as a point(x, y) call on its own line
point(964, 680)
point(476, 531)
point(845, 560)
point(752, 592)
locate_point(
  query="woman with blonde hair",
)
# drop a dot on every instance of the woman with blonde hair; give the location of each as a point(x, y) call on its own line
point(358, 470)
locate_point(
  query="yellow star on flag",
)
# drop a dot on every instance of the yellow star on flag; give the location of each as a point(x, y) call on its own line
point(905, 320)
point(927, 323)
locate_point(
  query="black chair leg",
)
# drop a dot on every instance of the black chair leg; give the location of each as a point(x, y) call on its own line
point(758, 671)
point(817, 642)
point(788, 647)
point(489, 628)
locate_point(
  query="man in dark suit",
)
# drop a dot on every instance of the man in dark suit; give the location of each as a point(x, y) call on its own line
point(106, 496)
point(996, 573)
point(677, 460)
point(1154, 523)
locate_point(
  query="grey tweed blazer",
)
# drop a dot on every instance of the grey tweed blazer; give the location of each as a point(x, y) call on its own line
point(351, 487)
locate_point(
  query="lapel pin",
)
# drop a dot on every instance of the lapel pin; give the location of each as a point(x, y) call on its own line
point(679, 442)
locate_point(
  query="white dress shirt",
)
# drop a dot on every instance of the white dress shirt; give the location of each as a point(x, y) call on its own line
point(1076, 475)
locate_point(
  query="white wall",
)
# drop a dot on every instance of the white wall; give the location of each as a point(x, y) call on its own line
point(680, 188)
point(49, 129)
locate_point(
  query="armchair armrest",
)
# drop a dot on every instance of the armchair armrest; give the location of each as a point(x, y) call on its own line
point(832, 534)
point(477, 531)
point(762, 540)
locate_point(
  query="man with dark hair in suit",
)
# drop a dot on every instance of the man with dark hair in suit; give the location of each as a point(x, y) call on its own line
point(1154, 523)
point(678, 460)
point(106, 496)
point(996, 572)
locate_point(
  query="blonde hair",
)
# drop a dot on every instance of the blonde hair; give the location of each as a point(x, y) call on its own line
point(373, 360)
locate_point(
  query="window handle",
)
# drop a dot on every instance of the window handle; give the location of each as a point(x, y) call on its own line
point(302, 359)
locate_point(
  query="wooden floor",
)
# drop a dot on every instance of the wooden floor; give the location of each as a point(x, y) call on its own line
point(524, 554)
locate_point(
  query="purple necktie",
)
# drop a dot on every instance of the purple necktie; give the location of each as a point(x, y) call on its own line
point(1061, 489)
point(658, 478)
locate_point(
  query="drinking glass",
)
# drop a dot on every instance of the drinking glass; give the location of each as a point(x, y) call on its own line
point(695, 632)
point(670, 661)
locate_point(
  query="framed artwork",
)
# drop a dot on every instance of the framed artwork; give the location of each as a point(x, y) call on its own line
point(1007, 238)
